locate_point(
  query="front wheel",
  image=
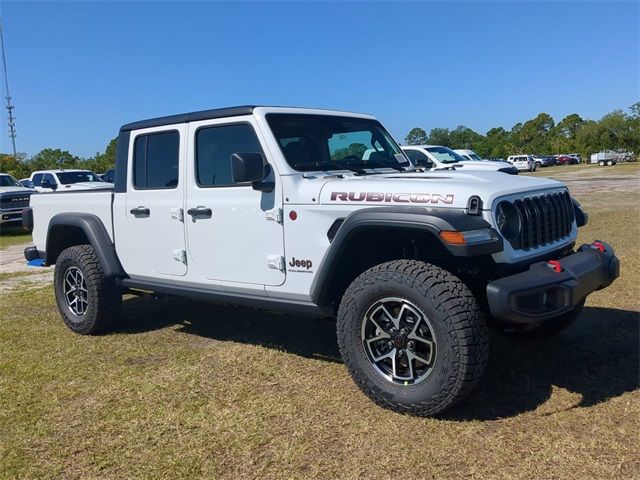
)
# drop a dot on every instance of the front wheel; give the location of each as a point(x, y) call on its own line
point(412, 337)
point(88, 301)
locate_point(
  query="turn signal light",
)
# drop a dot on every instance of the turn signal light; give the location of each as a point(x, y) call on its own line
point(454, 238)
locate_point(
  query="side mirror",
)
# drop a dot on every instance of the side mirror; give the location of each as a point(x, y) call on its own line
point(251, 167)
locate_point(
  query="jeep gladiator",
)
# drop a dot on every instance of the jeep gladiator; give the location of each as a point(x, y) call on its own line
point(280, 209)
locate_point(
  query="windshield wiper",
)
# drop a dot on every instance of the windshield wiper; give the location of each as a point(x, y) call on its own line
point(331, 163)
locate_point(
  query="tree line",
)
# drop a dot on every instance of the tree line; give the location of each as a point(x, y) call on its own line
point(53, 158)
point(617, 130)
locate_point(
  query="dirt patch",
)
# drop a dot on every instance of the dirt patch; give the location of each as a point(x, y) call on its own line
point(12, 262)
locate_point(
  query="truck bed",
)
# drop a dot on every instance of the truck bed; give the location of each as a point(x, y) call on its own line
point(46, 205)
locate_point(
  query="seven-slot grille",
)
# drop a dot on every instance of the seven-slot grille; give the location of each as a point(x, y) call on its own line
point(14, 200)
point(544, 219)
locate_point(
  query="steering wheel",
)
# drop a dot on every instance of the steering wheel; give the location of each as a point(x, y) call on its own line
point(355, 158)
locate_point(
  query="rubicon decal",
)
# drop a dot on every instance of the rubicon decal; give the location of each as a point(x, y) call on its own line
point(379, 197)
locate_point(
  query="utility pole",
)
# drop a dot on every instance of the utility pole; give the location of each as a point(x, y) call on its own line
point(10, 107)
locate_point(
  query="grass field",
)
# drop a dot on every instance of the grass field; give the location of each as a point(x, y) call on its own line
point(13, 237)
point(190, 390)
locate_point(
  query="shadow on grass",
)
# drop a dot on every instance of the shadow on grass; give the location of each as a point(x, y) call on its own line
point(597, 357)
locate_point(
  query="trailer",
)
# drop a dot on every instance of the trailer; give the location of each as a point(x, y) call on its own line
point(610, 158)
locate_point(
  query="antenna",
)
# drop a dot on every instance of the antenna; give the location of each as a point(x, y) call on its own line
point(12, 121)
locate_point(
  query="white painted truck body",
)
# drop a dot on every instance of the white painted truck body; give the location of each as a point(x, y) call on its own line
point(320, 212)
point(245, 220)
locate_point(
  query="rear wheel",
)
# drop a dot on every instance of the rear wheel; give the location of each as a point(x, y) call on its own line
point(88, 301)
point(601, 163)
point(609, 163)
point(412, 337)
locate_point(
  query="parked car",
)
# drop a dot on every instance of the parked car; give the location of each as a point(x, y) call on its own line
point(523, 162)
point(305, 225)
point(13, 198)
point(576, 156)
point(540, 161)
point(64, 180)
point(468, 155)
point(436, 157)
point(566, 160)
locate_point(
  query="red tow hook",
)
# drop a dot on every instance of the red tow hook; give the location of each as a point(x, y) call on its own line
point(555, 265)
point(599, 246)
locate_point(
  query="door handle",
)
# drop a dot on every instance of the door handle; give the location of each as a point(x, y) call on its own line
point(200, 212)
point(140, 212)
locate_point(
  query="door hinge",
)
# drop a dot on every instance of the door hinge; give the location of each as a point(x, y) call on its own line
point(177, 214)
point(276, 215)
point(180, 255)
point(276, 262)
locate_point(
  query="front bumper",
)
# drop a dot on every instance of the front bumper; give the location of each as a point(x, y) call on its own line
point(11, 216)
point(549, 289)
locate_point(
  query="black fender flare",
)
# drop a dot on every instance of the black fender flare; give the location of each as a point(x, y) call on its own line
point(432, 220)
point(96, 234)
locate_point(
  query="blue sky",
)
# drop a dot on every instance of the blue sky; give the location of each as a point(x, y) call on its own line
point(77, 71)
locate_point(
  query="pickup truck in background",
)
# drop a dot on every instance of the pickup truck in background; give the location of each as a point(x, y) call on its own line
point(277, 208)
point(47, 181)
point(437, 157)
point(13, 198)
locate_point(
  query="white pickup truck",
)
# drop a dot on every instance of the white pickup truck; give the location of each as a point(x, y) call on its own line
point(437, 157)
point(47, 181)
point(276, 208)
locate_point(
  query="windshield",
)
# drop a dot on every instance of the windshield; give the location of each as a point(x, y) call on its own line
point(475, 157)
point(67, 178)
point(445, 155)
point(326, 142)
point(9, 181)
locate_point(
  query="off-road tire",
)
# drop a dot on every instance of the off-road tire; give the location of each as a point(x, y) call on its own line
point(547, 328)
point(459, 329)
point(104, 299)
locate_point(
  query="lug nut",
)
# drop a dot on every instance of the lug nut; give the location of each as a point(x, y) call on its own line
point(400, 352)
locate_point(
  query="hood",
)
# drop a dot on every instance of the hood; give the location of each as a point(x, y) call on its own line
point(85, 186)
point(16, 190)
point(445, 188)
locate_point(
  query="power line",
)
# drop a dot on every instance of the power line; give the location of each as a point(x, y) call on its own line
point(10, 107)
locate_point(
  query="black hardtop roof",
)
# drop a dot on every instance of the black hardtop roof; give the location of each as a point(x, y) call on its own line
point(190, 117)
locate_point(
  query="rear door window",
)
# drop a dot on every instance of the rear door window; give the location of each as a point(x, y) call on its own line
point(155, 160)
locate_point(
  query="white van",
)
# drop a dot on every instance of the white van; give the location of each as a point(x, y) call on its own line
point(523, 162)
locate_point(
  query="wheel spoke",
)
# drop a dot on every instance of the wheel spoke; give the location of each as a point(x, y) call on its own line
point(386, 312)
point(377, 338)
point(412, 356)
point(390, 354)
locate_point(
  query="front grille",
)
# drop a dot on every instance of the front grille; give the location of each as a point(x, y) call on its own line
point(544, 219)
point(14, 200)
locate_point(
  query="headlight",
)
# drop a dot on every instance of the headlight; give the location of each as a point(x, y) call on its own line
point(508, 220)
